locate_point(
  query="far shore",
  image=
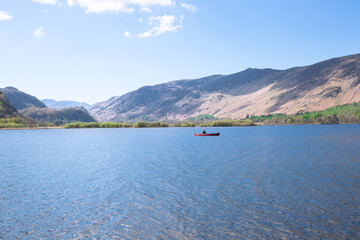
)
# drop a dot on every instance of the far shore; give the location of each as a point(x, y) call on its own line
point(32, 128)
point(255, 124)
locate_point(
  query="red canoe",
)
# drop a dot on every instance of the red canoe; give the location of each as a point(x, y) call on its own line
point(207, 134)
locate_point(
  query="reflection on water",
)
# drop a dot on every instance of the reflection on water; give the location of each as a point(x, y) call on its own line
point(290, 182)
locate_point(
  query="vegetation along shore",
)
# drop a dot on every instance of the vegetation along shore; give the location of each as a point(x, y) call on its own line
point(143, 124)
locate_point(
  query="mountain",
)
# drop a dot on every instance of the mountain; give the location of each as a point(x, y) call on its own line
point(30, 107)
point(64, 104)
point(21, 100)
point(6, 109)
point(10, 118)
point(253, 91)
point(58, 117)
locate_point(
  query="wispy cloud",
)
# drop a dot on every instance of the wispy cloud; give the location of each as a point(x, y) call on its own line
point(146, 9)
point(52, 2)
point(39, 32)
point(160, 24)
point(189, 7)
point(165, 24)
point(114, 6)
point(127, 34)
point(5, 16)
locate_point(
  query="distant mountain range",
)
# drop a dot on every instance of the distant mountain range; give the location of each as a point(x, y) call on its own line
point(64, 104)
point(253, 91)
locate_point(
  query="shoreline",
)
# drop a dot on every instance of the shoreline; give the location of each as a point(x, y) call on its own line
point(256, 124)
point(32, 128)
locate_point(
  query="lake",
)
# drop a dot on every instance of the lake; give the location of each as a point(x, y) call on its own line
point(265, 182)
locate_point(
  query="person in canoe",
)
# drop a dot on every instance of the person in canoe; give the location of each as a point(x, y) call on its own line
point(204, 132)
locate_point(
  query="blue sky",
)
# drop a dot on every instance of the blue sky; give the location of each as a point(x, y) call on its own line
point(91, 50)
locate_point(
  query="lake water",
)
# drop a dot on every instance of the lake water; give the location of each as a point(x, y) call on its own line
point(266, 182)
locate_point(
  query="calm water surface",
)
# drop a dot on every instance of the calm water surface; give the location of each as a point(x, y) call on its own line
point(268, 182)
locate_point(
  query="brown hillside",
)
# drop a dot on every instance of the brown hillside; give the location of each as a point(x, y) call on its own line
point(253, 91)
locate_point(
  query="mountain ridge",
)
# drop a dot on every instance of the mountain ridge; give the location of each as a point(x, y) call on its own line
point(54, 104)
point(252, 91)
point(21, 100)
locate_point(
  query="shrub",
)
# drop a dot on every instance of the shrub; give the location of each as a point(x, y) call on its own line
point(187, 124)
point(127, 125)
point(141, 124)
point(83, 125)
point(205, 124)
point(289, 120)
point(164, 125)
point(228, 123)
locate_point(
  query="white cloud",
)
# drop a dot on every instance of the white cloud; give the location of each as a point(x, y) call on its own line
point(39, 32)
point(5, 16)
point(70, 3)
point(166, 24)
point(189, 7)
point(52, 2)
point(114, 6)
point(127, 34)
point(146, 9)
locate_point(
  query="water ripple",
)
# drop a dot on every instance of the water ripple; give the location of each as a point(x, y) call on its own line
point(286, 182)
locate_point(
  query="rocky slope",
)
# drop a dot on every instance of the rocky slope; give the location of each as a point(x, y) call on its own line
point(63, 104)
point(253, 91)
point(21, 100)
